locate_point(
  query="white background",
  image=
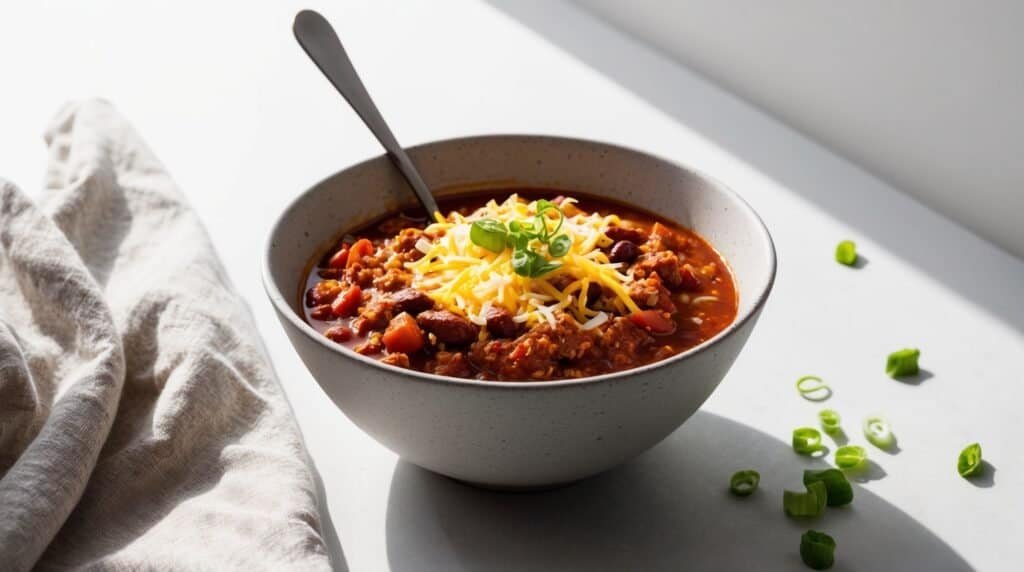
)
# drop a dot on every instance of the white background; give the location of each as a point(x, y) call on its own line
point(244, 122)
point(926, 93)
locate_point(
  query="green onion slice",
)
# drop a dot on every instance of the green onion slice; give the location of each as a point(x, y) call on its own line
point(878, 432)
point(560, 245)
point(837, 487)
point(807, 440)
point(813, 388)
point(846, 253)
point(806, 504)
point(850, 457)
point(902, 363)
point(830, 421)
point(488, 233)
point(969, 463)
point(817, 550)
point(744, 483)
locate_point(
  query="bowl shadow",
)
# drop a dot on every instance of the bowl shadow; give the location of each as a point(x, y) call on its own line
point(667, 509)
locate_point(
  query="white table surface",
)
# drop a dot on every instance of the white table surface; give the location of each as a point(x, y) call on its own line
point(244, 122)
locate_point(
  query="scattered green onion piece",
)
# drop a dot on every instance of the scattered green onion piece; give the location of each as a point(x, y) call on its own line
point(488, 233)
point(806, 504)
point(830, 421)
point(846, 253)
point(969, 463)
point(813, 388)
point(744, 483)
point(807, 440)
point(837, 487)
point(902, 363)
point(878, 432)
point(817, 550)
point(850, 457)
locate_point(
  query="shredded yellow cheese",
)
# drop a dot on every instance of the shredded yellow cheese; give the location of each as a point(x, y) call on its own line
point(469, 280)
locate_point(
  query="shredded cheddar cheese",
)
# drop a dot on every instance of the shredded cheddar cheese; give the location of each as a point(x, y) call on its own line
point(469, 280)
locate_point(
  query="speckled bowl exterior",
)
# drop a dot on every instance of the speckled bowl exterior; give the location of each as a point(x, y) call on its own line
point(519, 435)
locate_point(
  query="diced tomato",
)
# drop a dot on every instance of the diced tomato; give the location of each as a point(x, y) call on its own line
point(654, 321)
point(347, 303)
point(403, 335)
point(339, 259)
point(362, 247)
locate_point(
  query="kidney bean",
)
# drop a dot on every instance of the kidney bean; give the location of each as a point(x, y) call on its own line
point(500, 323)
point(624, 251)
point(412, 301)
point(448, 327)
point(339, 334)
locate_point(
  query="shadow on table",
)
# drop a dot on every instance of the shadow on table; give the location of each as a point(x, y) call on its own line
point(669, 509)
point(919, 238)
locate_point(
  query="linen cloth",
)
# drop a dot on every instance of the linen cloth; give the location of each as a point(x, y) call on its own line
point(141, 425)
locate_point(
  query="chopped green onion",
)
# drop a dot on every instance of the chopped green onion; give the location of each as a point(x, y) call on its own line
point(850, 457)
point(806, 504)
point(813, 388)
point(807, 440)
point(743, 483)
point(846, 253)
point(830, 421)
point(837, 487)
point(969, 463)
point(878, 432)
point(560, 245)
point(488, 233)
point(902, 363)
point(817, 550)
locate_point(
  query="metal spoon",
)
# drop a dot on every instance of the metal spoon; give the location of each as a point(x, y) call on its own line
point(316, 36)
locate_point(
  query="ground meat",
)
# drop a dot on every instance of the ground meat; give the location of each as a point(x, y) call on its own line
point(651, 293)
point(621, 341)
point(324, 292)
point(405, 243)
point(412, 301)
point(393, 279)
point(371, 346)
point(618, 233)
point(453, 364)
point(396, 358)
point(624, 251)
point(664, 238)
point(665, 263)
point(688, 279)
point(363, 274)
point(500, 323)
point(448, 327)
point(538, 353)
point(374, 316)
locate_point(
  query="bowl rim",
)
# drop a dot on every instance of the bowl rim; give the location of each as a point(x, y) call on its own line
point(284, 308)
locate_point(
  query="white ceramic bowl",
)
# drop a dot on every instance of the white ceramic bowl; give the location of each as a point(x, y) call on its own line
point(519, 435)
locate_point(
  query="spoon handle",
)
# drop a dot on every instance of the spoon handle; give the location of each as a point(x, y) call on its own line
point(316, 36)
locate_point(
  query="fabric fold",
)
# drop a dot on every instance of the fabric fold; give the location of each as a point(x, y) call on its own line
point(142, 425)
